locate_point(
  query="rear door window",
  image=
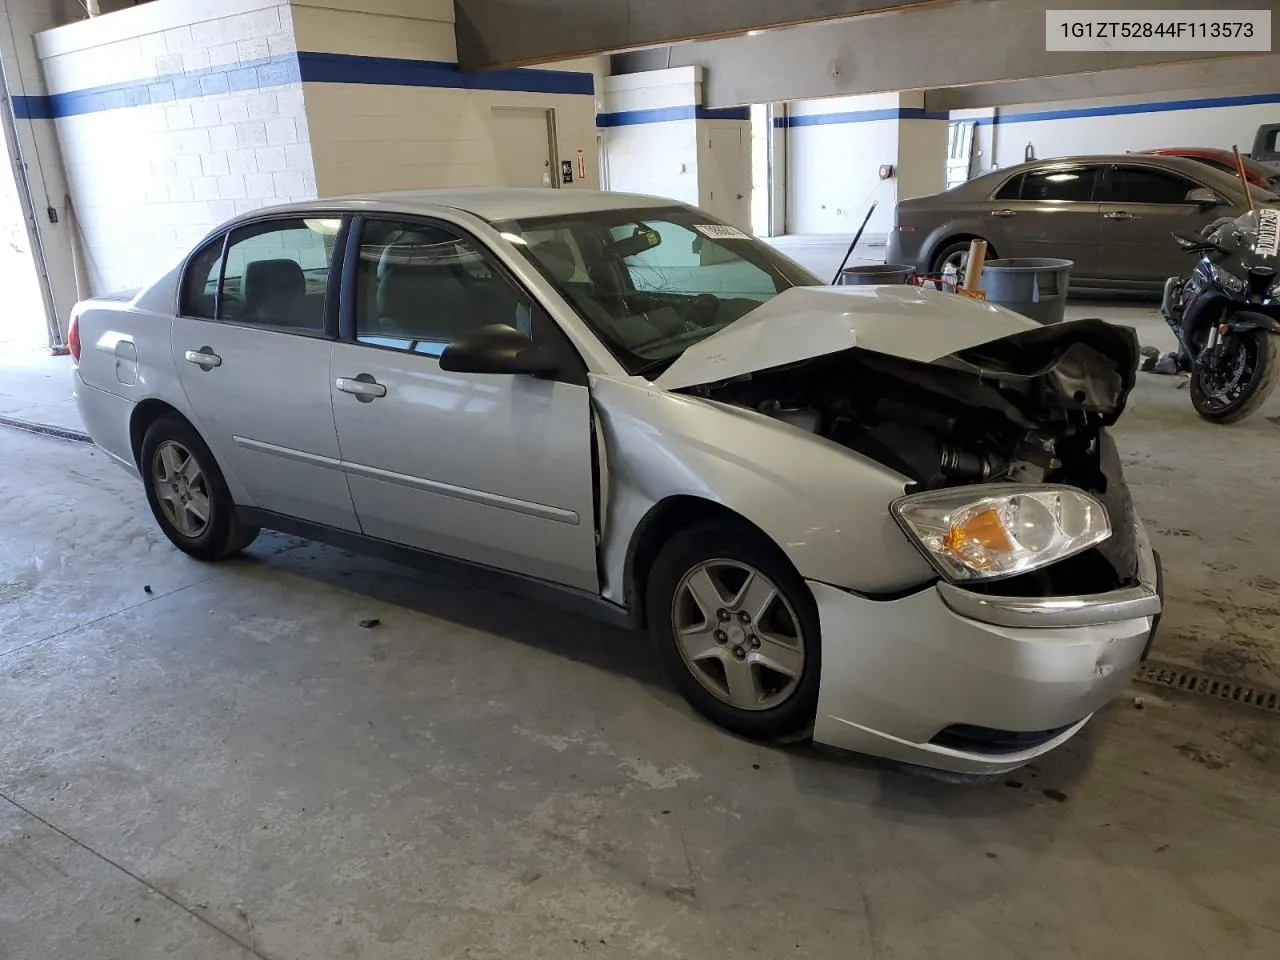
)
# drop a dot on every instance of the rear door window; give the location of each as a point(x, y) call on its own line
point(277, 273)
point(1072, 184)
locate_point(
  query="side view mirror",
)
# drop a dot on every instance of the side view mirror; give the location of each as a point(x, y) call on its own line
point(1204, 197)
point(497, 348)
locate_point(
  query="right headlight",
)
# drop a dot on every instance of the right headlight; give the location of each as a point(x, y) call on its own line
point(987, 531)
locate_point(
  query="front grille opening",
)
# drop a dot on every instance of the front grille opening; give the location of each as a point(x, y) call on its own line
point(971, 739)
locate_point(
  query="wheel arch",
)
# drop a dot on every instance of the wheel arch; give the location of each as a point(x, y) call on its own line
point(144, 415)
point(656, 528)
point(957, 237)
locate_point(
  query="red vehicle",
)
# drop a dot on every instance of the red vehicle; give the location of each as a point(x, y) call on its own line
point(1257, 174)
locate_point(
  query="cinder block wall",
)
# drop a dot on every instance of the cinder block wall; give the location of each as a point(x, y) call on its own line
point(660, 140)
point(389, 110)
point(177, 114)
point(174, 116)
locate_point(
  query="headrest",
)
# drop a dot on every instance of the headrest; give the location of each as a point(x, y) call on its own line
point(407, 293)
point(273, 280)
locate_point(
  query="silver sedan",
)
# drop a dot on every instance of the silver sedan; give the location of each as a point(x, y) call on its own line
point(888, 518)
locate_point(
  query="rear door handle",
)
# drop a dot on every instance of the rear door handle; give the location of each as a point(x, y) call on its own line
point(1004, 213)
point(363, 387)
point(1120, 215)
point(204, 358)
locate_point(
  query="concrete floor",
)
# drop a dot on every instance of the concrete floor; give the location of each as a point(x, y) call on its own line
point(228, 765)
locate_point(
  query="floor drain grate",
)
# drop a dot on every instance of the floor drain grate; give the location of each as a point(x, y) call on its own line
point(1188, 681)
point(61, 433)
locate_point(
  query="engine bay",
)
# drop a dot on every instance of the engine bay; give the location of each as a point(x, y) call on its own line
point(1031, 408)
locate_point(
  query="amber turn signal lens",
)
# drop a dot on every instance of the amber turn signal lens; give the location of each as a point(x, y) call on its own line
point(984, 529)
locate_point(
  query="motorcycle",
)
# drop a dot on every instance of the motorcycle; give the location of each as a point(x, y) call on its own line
point(1226, 314)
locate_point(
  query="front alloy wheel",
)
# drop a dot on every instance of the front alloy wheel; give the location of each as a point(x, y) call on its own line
point(738, 635)
point(738, 630)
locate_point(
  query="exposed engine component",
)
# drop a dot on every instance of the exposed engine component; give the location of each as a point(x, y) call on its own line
point(1031, 408)
point(793, 412)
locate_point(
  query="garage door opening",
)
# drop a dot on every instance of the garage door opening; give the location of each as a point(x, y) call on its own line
point(762, 169)
point(24, 325)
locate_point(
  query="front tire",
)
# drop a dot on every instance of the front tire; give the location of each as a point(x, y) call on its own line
point(738, 630)
point(1260, 360)
point(187, 493)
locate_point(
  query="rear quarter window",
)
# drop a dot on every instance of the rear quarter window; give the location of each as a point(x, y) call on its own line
point(198, 297)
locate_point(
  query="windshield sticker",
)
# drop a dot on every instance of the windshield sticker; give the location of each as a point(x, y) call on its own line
point(1268, 244)
point(718, 231)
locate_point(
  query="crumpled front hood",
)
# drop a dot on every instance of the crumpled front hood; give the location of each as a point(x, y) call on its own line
point(804, 322)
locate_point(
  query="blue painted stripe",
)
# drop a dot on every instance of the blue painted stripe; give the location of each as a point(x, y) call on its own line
point(1127, 109)
point(390, 71)
point(723, 113)
point(252, 75)
point(293, 68)
point(32, 108)
point(859, 116)
point(630, 118)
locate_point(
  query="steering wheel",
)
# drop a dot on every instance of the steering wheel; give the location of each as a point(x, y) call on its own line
point(703, 311)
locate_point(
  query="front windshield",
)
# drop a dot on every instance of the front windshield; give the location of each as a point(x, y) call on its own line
point(653, 281)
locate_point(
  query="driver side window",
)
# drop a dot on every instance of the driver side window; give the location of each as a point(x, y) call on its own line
point(421, 286)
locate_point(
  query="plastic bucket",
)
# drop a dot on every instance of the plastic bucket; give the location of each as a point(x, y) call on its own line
point(876, 273)
point(1035, 287)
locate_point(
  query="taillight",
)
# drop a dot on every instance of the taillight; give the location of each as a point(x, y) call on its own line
point(73, 338)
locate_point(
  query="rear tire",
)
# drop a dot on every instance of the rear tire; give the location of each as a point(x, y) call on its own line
point(737, 629)
point(1266, 349)
point(188, 494)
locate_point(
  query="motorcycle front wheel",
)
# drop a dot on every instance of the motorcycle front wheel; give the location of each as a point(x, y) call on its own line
point(1239, 384)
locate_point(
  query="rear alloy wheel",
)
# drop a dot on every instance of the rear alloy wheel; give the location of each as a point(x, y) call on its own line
point(188, 494)
point(957, 255)
point(738, 630)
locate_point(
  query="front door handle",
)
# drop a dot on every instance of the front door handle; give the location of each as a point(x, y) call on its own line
point(1004, 213)
point(362, 386)
point(1120, 215)
point(204, 358)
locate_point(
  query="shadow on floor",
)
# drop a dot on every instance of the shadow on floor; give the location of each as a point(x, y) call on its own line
point(457, 601)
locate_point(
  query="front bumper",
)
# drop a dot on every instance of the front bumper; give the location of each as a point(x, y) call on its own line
point(975, 684)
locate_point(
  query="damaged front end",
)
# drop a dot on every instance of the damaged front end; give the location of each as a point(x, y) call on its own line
point(1029, 408)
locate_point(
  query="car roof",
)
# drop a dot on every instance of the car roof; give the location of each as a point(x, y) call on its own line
point(1159, 159)
point(1185, 165)
point(1190, 151)
point(491, 204)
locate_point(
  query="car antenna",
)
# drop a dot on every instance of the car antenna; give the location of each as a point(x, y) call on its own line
point(856, 237)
